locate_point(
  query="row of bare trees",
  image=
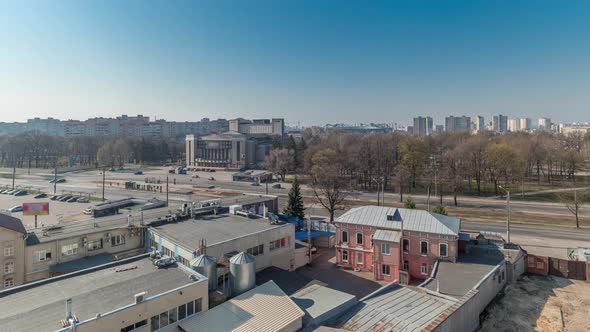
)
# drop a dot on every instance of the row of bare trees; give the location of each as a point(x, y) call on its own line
point(35, 150)
point(334, 163)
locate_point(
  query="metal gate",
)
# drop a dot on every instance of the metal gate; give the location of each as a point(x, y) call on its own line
point(567, 269)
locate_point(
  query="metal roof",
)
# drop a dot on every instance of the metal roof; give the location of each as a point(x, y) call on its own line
point(12, 223)
point(40, 306)
point(395, 308)
point(264, 308)
point(386, 235)
point(413, 220)
point(242, 258)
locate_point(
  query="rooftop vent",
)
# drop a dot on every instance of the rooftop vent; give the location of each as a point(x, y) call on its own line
point(140, 297)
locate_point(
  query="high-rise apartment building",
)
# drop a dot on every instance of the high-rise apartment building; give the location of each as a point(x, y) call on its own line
point(479, 123)
point(544, 123)
point(513, 125)
point(500, 123)
point(423, 126)
point(457, 123)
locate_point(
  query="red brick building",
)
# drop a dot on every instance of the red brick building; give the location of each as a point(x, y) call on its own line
point(370, 238)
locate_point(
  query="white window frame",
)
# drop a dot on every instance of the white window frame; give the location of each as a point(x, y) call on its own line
point(403, 240)
point(388, 249)
point(421, 253)
point(41, 255)
point(91, 244)
point(8, 267)
point(359, 261)
point(362, 238)
point(383, 268)
point(69, 249)
point(8, 251)
point(424, 269)
point(119, 242)
point(343, 233)
point(8, 282)
point(406, 265)
point(446, 249)
point(344, 252)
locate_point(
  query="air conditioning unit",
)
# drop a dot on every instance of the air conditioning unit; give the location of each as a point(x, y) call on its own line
point(140, 297)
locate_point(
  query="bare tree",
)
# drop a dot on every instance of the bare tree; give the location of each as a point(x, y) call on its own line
point(327, 181)
point(280, 161)
point(574, 203)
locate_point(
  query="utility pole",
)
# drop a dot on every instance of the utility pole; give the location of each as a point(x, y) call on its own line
point(166, 190)
point(508, 211)
point(55, 179)
point(103, 178)
point(428, 199)
point(13, 173)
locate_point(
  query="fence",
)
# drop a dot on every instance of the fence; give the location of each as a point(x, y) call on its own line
point(556, 267)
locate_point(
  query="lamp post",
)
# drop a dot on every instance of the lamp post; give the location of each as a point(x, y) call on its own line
point(508, 212)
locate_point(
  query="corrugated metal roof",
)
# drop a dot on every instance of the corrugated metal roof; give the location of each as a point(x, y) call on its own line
point(386, 235)
point(264, 308)
point(242, 258)
point(413, 220)
point(396, 308)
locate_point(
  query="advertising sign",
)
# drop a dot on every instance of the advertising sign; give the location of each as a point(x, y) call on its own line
point(36, 209)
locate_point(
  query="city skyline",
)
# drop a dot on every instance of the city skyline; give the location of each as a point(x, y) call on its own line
point(299, 60)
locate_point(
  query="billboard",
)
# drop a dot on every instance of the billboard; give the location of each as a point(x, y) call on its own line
point(36, 209)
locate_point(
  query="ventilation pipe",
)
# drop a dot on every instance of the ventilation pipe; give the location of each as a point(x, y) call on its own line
point(129, 223)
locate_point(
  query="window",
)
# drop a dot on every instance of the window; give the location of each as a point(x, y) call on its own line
point(359, 259)
point(9, 268)
point(198, 305)
point(344, 256)
point(190, 308)
point(155, 323)
point(424, 268)
point(69, 249)
point(135, 326)
point(163, 319)
point(406, 265)
point(42, 255)
point(442, 250)
point(385, 248)
point(423, 247)
point(182, 312)
point(385, 269)
point(280, 243)
point(345, 236)
point(255, 251)
point(9, 282)
point(117, 240)
point(359, 238)
point(406, 245)
point(8, 251)
point(94, 244)
point(172, 318)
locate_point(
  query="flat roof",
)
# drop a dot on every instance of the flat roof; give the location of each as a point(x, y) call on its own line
point(321, 304)
point(456, 279)
point(395, 308)
point(213, 228)
point(40, 306)
point(246, 199)
point(264, 308)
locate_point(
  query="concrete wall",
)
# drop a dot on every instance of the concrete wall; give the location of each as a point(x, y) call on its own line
point(36, 270)
point(118, 319)
point(464, 316)
point(15, 240)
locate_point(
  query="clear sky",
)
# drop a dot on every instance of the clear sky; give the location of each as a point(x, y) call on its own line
point(309, 61)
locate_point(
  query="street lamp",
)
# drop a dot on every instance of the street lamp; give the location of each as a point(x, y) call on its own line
point(508, 212)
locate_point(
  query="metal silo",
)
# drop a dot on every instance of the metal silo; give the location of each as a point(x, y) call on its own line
point(242, 270)
point(207, 266)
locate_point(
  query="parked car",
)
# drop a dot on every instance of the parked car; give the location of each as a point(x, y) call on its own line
point(41, 195)
point(53, 198)
point(164, 261)
point(140, 172)
point(255, 184)
point(171, 171)
point(87, 211)
point(211, 187)
point(3, 191)
point(17, 208)
point(64, 198)
point(52, 180)
point(196, 176)
point(72, 199)
point(62, 180)
point(21, 193)
point(12, 192)
point(83, 200)
point(211, 179)
point(277, 186)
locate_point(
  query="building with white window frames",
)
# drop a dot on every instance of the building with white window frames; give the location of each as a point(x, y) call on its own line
point(12, 235)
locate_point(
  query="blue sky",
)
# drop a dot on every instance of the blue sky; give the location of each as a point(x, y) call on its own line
point(308, 61)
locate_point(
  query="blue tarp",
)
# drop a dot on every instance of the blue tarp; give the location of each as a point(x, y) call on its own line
point(302, 235)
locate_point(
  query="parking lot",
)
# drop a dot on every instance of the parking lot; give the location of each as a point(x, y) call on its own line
point(58, 211)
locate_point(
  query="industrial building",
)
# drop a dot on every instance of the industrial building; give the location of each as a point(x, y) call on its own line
point(130, 294)
point(264, 308)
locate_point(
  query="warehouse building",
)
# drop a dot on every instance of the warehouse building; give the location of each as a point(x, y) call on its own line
point(127, 295)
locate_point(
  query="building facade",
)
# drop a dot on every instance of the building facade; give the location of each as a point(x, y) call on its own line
point(386, 241)
point(457, 123)
point(422, 126)
point(500, 123)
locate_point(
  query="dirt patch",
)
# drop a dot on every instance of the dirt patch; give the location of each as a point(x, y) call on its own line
point(543, 304)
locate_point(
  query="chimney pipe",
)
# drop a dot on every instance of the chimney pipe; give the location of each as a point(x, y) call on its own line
point(68, 308)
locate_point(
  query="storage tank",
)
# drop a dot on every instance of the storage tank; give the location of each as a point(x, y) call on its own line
point(242, 270)
point(207, 266)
